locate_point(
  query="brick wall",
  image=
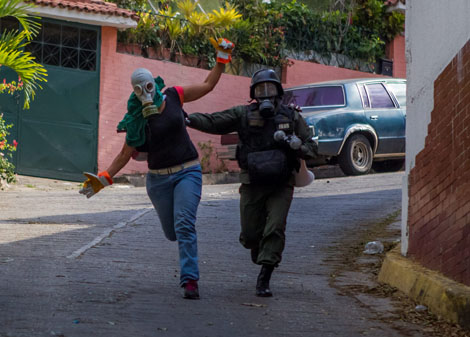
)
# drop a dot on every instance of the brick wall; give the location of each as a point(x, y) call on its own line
point(395, 51)
point(439, 183)
point(116, 69)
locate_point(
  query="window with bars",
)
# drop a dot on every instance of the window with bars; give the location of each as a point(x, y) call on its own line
point(65, 46)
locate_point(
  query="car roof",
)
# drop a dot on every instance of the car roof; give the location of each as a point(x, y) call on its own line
point(348, 80)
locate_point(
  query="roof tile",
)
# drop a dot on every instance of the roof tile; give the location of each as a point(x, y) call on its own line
point(89, 6)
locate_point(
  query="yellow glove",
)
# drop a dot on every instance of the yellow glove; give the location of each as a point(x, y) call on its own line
point(95, 183)
point(224, 49)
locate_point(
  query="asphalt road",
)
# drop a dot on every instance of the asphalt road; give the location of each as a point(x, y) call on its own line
point(71, 266)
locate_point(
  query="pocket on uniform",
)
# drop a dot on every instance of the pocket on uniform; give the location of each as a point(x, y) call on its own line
point(268, 167)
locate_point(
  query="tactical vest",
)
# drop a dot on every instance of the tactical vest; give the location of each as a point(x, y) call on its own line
point(256, 137)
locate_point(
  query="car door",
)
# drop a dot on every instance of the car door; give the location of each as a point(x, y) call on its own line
point(385, 116)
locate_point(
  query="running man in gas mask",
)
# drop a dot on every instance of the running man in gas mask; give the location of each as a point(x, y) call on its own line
point(156, 131)
point(274, 140)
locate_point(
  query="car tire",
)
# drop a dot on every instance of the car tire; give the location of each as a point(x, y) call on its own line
point(392, 165)
point(356, 157)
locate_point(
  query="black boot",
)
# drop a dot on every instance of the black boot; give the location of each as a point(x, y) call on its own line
point(262, 286)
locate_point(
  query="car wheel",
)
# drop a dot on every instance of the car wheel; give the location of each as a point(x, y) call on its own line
point(392, 165)
point(356, 156)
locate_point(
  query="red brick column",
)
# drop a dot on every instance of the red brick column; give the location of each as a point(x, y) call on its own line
point(395, 51)
point(439, 184)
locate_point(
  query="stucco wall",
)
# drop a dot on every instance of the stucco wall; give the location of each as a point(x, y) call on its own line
point(307, 72)
point(116, 69)
point(435, 33)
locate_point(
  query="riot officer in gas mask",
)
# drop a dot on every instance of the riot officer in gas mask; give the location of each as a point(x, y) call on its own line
point(274, 140)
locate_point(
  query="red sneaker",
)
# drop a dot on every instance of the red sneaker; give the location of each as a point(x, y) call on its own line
point(191, 290)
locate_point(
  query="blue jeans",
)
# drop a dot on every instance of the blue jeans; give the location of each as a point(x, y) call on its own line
point(176, 198)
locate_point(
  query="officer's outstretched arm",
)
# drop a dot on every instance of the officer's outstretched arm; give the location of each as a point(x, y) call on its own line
point(218, 123)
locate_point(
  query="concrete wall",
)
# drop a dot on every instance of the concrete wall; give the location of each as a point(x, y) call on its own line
point(116, 69)
point(436, 191)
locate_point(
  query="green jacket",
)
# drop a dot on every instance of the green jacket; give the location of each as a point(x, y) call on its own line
point(231, 120)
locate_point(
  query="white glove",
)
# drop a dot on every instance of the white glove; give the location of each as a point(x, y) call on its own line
point(95, 183)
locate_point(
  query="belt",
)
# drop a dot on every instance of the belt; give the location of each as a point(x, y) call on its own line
point(174, 169)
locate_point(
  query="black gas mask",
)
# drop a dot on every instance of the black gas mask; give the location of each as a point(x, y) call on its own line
point(265, 94)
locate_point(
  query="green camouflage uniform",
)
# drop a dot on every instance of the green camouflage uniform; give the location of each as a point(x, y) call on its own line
point(263, 208)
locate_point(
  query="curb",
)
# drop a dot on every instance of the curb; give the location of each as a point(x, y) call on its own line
point(444, 297)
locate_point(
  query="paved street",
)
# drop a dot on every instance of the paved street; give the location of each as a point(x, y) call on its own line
point(102, 267)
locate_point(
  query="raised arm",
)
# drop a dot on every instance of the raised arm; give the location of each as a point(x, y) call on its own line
point(196, 91)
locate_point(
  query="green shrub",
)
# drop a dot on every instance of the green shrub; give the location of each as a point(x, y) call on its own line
point(269, 33)
point(7, 169)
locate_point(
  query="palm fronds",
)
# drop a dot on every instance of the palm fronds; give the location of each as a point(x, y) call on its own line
point(12, 54)
point(19, 10)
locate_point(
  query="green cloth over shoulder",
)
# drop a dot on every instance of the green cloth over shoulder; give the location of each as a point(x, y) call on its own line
point(134, 122)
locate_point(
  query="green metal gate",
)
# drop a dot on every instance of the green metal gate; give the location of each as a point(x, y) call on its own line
point(58, 136)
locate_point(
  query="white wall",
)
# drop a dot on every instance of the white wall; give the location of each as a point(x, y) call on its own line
point(436, 30)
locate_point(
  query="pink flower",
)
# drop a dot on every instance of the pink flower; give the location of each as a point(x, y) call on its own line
point(15, 143)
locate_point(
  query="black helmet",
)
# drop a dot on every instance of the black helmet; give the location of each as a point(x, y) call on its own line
point(265, 75)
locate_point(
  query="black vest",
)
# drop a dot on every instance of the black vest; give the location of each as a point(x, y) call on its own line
point(257, 133)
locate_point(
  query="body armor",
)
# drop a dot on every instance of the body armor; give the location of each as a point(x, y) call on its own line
point(258, 152)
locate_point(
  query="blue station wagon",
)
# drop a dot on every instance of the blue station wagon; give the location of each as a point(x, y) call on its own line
point(358, 123)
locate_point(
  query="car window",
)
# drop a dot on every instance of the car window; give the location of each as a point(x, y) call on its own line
point(316, 96)
point(399, 90)
point(365, 97)
point(379, 97)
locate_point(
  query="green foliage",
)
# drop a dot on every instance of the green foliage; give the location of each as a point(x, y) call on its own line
point(269, 33)
point(12, 52)
point(259, 37)
point(7, 169)
point(317, 5)
point(356, 29)
point(135, 5)
point(209, 5)
point(180, 26)
point(145, 34)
